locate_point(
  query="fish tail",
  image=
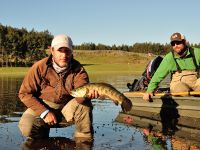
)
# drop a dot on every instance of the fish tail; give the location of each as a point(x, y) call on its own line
point(126, 105)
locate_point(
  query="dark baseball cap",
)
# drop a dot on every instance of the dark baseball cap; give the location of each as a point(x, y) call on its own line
point(177, 37)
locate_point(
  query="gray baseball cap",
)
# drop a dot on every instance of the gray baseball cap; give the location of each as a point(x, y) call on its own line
point(61, 40)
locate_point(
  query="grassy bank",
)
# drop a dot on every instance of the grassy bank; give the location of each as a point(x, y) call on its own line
point(112, 62)
point(13, 71)
point(99, 62)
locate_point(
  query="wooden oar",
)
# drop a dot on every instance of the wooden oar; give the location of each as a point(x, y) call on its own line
point(132, 94)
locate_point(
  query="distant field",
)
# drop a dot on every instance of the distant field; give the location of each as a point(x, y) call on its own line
point(99, 62)
point(112, 61)
point(112, 57)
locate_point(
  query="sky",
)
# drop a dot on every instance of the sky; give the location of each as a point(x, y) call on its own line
point(106, 21)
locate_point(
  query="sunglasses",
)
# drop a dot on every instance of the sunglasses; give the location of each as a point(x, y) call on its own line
point(176, 42)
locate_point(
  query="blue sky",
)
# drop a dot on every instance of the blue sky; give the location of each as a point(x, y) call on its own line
point(106, 21)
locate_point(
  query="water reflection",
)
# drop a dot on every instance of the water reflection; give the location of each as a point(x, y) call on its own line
point(9, 101)
point(56, 143)
point(156, 139)
point(108, 133)
point(162, 142)
point(163, 134)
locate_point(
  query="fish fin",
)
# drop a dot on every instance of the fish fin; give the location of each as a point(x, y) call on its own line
point(114, 101)
point(86, 93)
point(126, 105)
point(102, 97)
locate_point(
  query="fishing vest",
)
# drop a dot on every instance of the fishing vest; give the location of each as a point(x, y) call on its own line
point(191, 50)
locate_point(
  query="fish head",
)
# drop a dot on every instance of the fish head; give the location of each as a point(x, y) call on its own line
point(126, 105)
point(79, 92)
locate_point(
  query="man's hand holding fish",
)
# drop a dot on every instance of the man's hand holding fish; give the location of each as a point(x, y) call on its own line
point(93, 94)
point(100, 90)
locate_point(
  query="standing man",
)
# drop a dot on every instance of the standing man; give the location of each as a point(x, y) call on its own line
point(45, 92)
point(183, 63)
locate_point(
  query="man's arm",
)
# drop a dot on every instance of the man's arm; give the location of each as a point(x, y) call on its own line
point(162, 71)
point(29, 90)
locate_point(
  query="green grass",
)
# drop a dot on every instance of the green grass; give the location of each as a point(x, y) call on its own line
point(112, 62)
point(13, 71)
point(113, 68)
point(98, 62)
point(109, 57)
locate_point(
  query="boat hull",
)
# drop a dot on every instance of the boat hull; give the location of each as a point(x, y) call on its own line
point(187, 133)
point(170, 110)
point(178, 116)
point(184, 106)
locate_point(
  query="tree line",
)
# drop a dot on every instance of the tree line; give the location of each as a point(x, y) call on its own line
point(155, 48)
point(20, 47)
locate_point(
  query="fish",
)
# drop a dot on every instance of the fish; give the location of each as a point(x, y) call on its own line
point(105, 90)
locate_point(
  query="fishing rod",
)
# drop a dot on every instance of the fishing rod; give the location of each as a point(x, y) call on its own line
point(189, 93)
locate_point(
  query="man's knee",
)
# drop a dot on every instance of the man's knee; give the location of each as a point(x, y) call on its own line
point(83, 114)
point(197, 85)
point(37, 129)
point(83, 122)
point(179, 87)
point(73, 109)
point(26, 122)
point(31, 125)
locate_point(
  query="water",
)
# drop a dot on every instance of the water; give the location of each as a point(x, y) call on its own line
point(108, 133)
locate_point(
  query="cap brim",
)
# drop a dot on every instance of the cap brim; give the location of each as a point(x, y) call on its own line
point(56, 47)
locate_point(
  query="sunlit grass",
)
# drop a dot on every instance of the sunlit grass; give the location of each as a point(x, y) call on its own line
point(98, 62)
point(112, 62)
point(113, 68)
point(13, 71)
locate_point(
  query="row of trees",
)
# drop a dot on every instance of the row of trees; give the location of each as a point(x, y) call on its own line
point(19, 47)
point(155, 48)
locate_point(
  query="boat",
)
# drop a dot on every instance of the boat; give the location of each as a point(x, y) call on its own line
point(166, 112)
point(167, 106)
point(189, 137)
